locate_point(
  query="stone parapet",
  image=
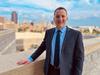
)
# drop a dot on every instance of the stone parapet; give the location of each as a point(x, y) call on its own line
point(7, 41)
point(8, 64)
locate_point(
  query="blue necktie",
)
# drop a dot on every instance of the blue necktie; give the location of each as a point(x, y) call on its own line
point(57, 49)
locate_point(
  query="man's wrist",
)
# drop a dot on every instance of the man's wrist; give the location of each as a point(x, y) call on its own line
point(30, 59)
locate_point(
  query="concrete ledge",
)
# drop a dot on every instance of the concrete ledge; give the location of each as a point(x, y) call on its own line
point(35, 68)
point(8, 64)
point(91, 65)
point(7, 42)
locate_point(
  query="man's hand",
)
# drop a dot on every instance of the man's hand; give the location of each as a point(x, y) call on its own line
point(23, 61)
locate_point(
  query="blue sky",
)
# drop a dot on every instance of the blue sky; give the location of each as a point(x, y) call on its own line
point(80, 12)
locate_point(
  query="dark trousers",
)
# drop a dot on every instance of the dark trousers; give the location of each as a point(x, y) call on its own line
point(53, 70)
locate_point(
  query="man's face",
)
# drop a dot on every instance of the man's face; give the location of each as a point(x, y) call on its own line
point(60, 18)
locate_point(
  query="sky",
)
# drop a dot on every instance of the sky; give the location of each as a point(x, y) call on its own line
point(80, 12)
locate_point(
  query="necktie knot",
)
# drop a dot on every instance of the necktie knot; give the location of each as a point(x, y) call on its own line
point(58, 31)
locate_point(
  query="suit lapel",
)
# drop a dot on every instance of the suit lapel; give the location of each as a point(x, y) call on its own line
point(51, 33)
point(66, 37)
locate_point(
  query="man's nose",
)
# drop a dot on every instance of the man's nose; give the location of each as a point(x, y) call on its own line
point(60, 18)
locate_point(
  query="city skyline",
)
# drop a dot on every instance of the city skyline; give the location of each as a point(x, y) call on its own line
point(80, 12)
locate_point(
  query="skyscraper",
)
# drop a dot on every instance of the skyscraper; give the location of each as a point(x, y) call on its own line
point(2, 19)
point(14, 17)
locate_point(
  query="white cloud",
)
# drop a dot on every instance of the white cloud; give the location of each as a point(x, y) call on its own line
point(80, 13)
point(97, 14)
point(38, 2)
point(9, 9)
point(50, 4)
point(84, 14)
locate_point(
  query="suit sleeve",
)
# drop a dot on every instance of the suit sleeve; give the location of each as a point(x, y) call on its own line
point(78, 56)
point(40, 49)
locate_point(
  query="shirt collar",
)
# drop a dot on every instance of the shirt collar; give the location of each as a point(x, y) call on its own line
point(62, 29)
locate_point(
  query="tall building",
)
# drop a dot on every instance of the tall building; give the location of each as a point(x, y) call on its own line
point(14, 17)
point(2, 19)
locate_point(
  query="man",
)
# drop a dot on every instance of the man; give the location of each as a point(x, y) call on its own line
point(64, 48)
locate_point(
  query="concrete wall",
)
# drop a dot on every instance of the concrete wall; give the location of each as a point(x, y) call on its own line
point(30, 69)
point(27, 40)
point(91, 65)
point(11, 68)
point(8, 64)
point(7, 42)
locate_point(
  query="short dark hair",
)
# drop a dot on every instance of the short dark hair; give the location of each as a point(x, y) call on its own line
point(60, 8)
